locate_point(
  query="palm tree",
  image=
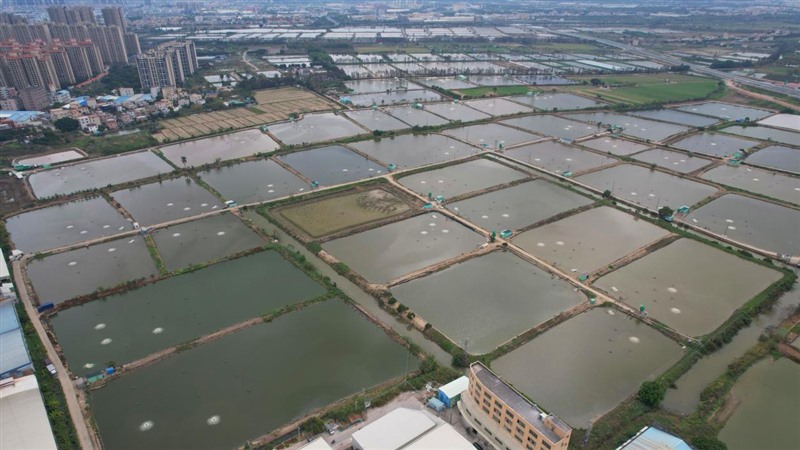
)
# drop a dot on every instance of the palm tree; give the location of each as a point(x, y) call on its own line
point(183, 161)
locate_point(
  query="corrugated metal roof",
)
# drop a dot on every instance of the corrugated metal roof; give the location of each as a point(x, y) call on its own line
point(443, 437)
point(394, 430)
point(655, 439)
point(23, 418)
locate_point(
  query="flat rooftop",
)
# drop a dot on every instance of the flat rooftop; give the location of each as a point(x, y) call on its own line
point(516, 401)
point(23, 418)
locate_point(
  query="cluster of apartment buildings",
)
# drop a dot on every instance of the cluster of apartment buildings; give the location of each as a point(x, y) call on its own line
point(169, 64)
point(37, 59)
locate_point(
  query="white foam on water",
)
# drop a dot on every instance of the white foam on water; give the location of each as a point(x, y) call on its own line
point(540, 244)
point(213, 420)
point(131, 241)
point(731, 227)
point(484, 217)
point(105, 341)
point(270, 185)
point(270, 191)
point(432, 224)
point(559, 243)
point(203, 204)
point(634, 193)
point(505, 215)
point(672, 290)
point(84, 231)
point(611, 312)
point(176, 234)
point(146, 425)
point(88, 366)
point(187, 208)
point(614, 288)
point(433, 216)
point(651, 195)
point(728, 220)
point(72, 263)
point(99, 326)
point(445, 231)
point(121, 228)
point(569, 159)
point(755, 179)
point(69, 227)
point(106, 226)
point(220, 233)
point(675, 310)
point(214, 207)
point(370, 170)
point(158, 330)
point(634, 339)
point(423, 182)
point(440, 181)
point(112, 249)
point(170, 204)
point(423, 233)
point(694, 220)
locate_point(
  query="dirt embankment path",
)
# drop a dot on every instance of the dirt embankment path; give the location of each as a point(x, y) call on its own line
point(766, 97)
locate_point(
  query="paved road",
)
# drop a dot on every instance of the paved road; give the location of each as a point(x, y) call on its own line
point(697, 68)
point(70, 393)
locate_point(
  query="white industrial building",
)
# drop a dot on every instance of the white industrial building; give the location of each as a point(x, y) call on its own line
point(23, 418)
point(409, 429)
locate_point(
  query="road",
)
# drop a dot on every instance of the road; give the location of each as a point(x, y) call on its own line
point(731, 84)
point(244, 58)
point(70, 392)
point(697, 68)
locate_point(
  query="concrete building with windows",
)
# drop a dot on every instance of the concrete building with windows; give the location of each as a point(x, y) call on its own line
point(505, 419)
point(112, 15)
point(169, 64)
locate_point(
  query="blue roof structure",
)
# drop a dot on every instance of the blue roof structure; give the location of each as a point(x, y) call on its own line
point(13, 353)
point(19, 116)
point(651, 438)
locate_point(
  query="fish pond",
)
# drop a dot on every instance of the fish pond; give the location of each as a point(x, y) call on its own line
point(97, 174)
point(315, 128)
point(332, 165)
point(460, 179)
point(689, 286)
point(389, 251)
point(204, 240)
point(601, 347)
point(488, 300)
point(518, 206)
point(585, 242)
point(63, 276)
point(129, 326)
point(65, 224)
point(155, 407)
point(415, 150)
point(222, 148)
point(166, 200)
point(254, 181)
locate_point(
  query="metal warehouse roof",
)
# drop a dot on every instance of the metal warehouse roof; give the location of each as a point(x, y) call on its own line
point(651, 438)
point(13, 353)
point(455, 387)
point(317, 444)
point(394, 430)
point(443, 437)
point(23, 418)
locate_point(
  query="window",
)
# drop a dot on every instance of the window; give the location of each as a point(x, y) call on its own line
point(498, 441)
point(478, 422)
point(545, 444)
point(497, 411)
point(520, 423)
point(528, 447)
point(507, 428)
point(485, 409)
point(535, 436)
point(508, 421)
point(518, 437)
point(496, 419)
point(498, 404)
point(531, 440)
point(486, 402)
point(519, 430)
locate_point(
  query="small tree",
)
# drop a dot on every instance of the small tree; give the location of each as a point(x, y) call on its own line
point(708, 443)
point(607, 193)
point(183, 161)
point(665, 211)
point(652, 393)
point(428, 365)
point(460, 359)
point(67, 124)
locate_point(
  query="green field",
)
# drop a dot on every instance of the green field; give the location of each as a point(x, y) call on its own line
point(495, 90)
point(638, 89)
point(329, 215)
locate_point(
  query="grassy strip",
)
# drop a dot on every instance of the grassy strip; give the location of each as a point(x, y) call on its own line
point(494, 91)
point(53, 396)
point(155, 255)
